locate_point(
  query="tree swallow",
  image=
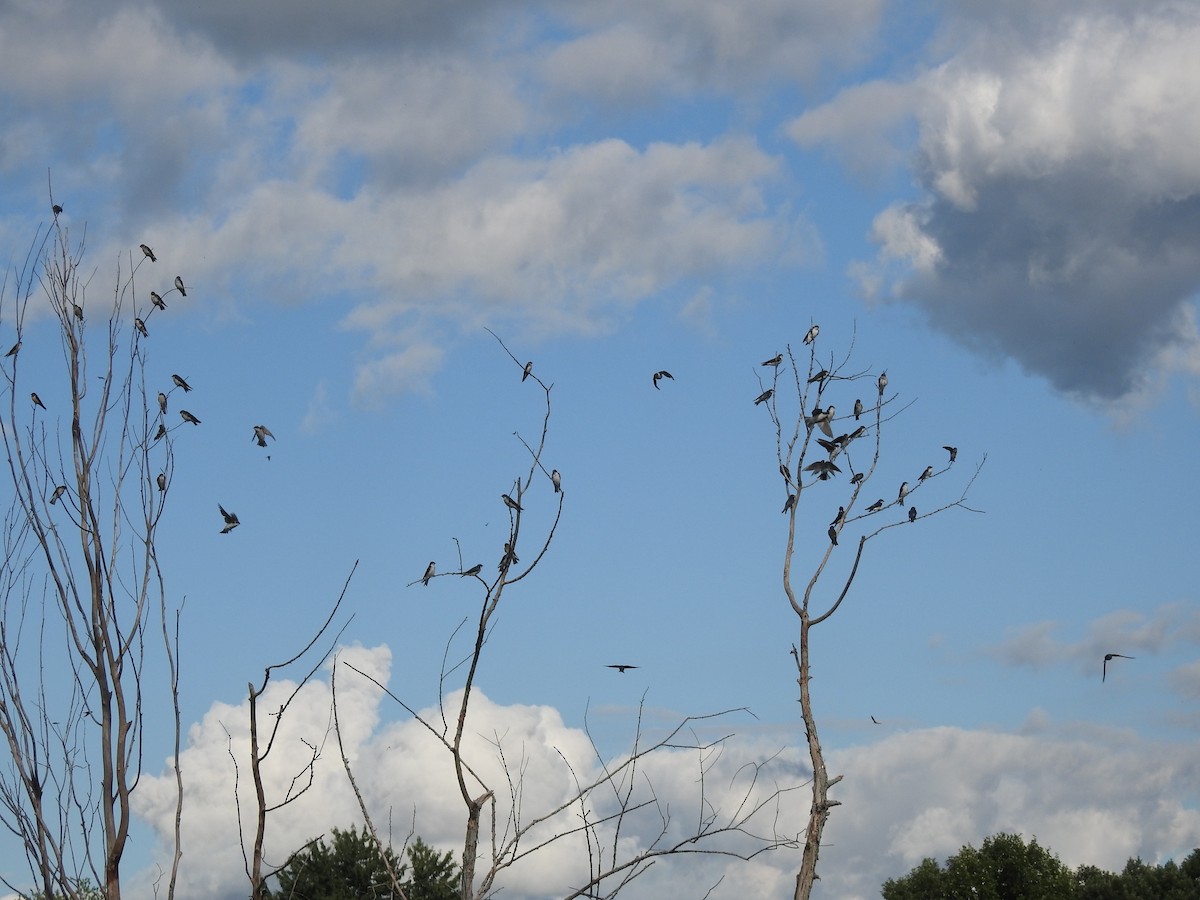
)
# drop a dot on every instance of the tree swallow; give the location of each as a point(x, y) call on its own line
point(821, 418)
point(882, 382)
point(78, 310)
point(622, 667)
point(162, 482)
point(812, 334)
point(823, 468)
point(141, 327)
point(162, 402)
point(429, 572)
point(261, 433)
point(858, 409)
point(161, 433)
point(528, 370)
point(37, 401)
point(840, 518)
point(556, 480)
point(764, 396)
point(510, 502)
point(833, 535)
point(474, 570)
point(157, 300)
point(15, 349)
point(820, 376)
point(231, 520)
point(188, 417)
point(785, 472)
point(56, 209)
point(179, 286)
point(858, 477)
point(788, 503)
point(926, 474)
point(912, 514)
point(903, 492)
point(1104, 668)
point(773, 361)
point(58, 492)
point(876, 506)
point(661, 374)
point(953, 451)
point(179, 382)
point(149, 253)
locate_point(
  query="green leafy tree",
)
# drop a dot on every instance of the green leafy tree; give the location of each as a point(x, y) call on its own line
point(1004, 868)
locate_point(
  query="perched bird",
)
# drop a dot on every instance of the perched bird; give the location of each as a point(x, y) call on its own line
point(833, 535)
point(823, 469)
point(56, 209)
point(528, 370)
point(261, 433)
point(820, 376)
point(37, 401)
point(953, 451)
point(58, 492)
point(162, 481)
point(157, 300)
point(903, 492)
point(231, 520)
point(622, 667)
point(912, 514)
point(812, 334)
point(857, 433)
point(78, 310)
point(858, 409)
point(509, 558)
point(149, 253)
point(858, 477)
point(785, 472)
point(179, 382)
point(429, 572)
point(510, 502)
point(141, 327)
point(764, 396)
point(661, 374)
point(876, 506)
point(1104, 668)
point(821, 418)
point(161, 433)
point(840, 518)
point(162, 402)
point(882, 382)
point(474, 570)
point(16, 348)
point(773, 361)
point(789, 503)
point(556, 480)
point(188, 417)
point(179, 286)
point(928, 473)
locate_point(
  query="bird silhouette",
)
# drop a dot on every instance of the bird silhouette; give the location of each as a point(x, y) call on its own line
point(37, 401)
point(16, 348)
point(528, 370)
point(509, 558)
point(953, 451)
point(820, 376)
point(903, 492)
point(812, 334)
point(1107, 657)
point(78, 310)
point(912, 514)
point(928, 473)
point(764, 396)
point(162, 402)
point(56, 209)
point(840, 518)
point(773, 361)
point(556, 480)
point(858, 477)
point(788, 503)
point(188, 417)
point(141, 327)
point(149, 253)
point(179, 286)
point(261, 433)
point(823, 469)
point(510, 502)
point(474, 570)
point(858, 409)
point(876, 721)
point(58, 492)
point(883, 382)
point(661, 374)
point(621, 667)
point(180, 382)
point(157, 300)
point(785, 472)
point(876, 506)
point(161, 433)
point(231, 520)
point(429, 573)
point(833, 535)
point(162, 481)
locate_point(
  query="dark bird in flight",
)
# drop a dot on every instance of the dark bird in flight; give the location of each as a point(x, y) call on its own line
point(56, 209)
point(37, 401)
point(903, 492)
point(528, 370)
point(621, 668)
point(840, 518)
point(773, 361)
point(474, 570)
point(179, 382)
point(820, 376)
point(556, 480)
point(764, 396)
point(179, 286)
point(157, 300)
point(823, 469)
point(78, 310)
point(928, 473)
point(510, 502)
point(833, 448)
point(1104, 668)
point(876, 506)
point(162, 482)
point(162, 402)
point(231, 520)
point(953, 451)
point(858, 409)
point(912, 514)
point(812, 334)
point(261, 433)
point(429, 572)
point(141, 327)
point(660, 375)
point(161, 433)
point(882, 382)
point(789, 503)
point(58, 492)
point(876, 721)
point(858, 477)
point(16, 348)
point(188, 417)
point(149, 253)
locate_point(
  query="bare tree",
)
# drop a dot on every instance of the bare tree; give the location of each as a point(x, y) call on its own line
point(816, 447)
point(604, 807)
point(82, 587)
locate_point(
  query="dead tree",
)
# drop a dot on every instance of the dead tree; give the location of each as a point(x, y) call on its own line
point(84, 599)
point(603, 807)
point(819, 452)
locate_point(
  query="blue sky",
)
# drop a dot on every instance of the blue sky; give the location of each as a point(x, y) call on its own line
point(997, 206)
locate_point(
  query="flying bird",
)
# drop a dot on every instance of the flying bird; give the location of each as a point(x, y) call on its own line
point(928, 473)
point(261, 433)
point(788, 503)
point(823, 469)
point(179, 382)
point(903, 492)
point(882, 382)
point(528, 370)
point(15, 349)
point(876, 506)
point(821, 418)
point(37, 401)
point(474, 570)
point(149, 253)
point(162, 402)
point(912, 514)
point(622, 667)
point(1104, 668)
point(953, 451)
point(660, 375)
point(510, 502)
point(162, 481)
point(812, 334)
point(188, 417)
point(179, 286)
point(141, 327)
point(556, 480)
point(58, 492)
point(429, 572)
point(833, 535)
point(858, 477)
point(157, 300)
point(876, 721)
point(231, 520)
point(858, 409)
point(773, 361)
point(764, 396)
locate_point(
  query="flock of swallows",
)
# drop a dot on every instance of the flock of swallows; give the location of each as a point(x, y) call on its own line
point(261, 432)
